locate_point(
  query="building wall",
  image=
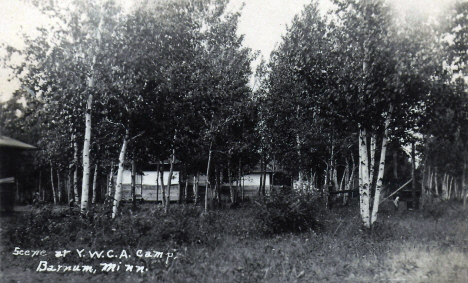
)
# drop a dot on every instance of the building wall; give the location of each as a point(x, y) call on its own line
point(252, 179)
point(147, 187)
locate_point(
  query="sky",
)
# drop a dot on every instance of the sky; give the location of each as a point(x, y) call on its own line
point(263, 22)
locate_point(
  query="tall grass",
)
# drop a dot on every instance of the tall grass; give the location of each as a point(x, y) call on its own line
point(229, 246)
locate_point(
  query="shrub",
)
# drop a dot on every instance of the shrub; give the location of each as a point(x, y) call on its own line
point(289, 211)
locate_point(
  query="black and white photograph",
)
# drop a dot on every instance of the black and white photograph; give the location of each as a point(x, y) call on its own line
point(233, 141)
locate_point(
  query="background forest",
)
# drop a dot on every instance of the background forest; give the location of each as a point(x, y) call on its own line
point(356, 99)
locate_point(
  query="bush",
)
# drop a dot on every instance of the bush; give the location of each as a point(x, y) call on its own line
point(289, 211)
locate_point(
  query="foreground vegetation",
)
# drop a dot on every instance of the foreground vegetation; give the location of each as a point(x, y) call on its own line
point(233, 245)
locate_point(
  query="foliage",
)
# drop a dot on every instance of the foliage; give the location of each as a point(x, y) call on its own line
point(410, 245)
point(290, 212)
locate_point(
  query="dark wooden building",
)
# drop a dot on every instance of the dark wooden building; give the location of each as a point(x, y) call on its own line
point(10, 150)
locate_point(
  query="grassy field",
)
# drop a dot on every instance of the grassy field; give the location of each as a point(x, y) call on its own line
point(230, 245)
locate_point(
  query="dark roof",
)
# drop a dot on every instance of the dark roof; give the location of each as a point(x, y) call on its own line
point(12, 143)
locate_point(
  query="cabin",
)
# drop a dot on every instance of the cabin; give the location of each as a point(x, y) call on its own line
point(10, 151)
point(148, 185)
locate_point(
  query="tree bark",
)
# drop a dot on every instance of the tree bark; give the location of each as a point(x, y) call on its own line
point(39, 185)
point(464, 189)
point(118, 188)
point(93, 201)
point(207, 180)
point(239, 183)
point(186, 190)
point(372, 159)
point(157, 181)
point(413, 175)
point(69, 186)
point(59, 187)
point(364, 179)
point(196, 179)
point(75, 173)
point(163, 188)
point(86, 146)
point(378, 186)
point(52, 183)
point(218, 184)
point(110, 183)
point(260, 188)
point(169, 180)
point(133, 183)
point(231, 188)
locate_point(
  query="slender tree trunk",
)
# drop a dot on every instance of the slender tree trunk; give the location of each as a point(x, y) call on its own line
point(395, 164)
point(157, 181)
point(264, 177)
point(169, 180)
point(444, 186)
point(133, 183)
point(378, 186)
point(218, 184)
point(372, 158)
point(239, 184)
point(118, 188)
point(344, 180)
point(110, 183)
point(299, 156)
point(413, 175)
point(52, 183)
point(436, 183)
point(186, 191)
point(207, 180)
point(364, 179)
point(423, 197)
point(75, 172)
point(59, 187)
point(261, 179)
point(93, 201)
point(163, 188)
point(39, 185)
point(69, 186)
point(464, 189)
point(195, 188)
point(86, 145)
point(231, 188)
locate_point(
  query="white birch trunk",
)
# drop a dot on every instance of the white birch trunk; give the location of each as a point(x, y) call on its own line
point(86, 146)
point(52, 183)
point(111, 180)
point(95, 183)
point(163, 188)
point(378, 186)
point(195, 188)
point(157, 182)
point(169, 181)
point(372, 158)
point(186, 190)
point(118, 188)
point(207, 181)
point(59, 187)
point(463, 184)
point(364, 179)
point(444, 187)
point(75, 172)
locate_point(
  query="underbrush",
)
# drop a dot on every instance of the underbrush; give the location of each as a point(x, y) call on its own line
point(140, 227)
point(231, 245)
point(290, 212)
